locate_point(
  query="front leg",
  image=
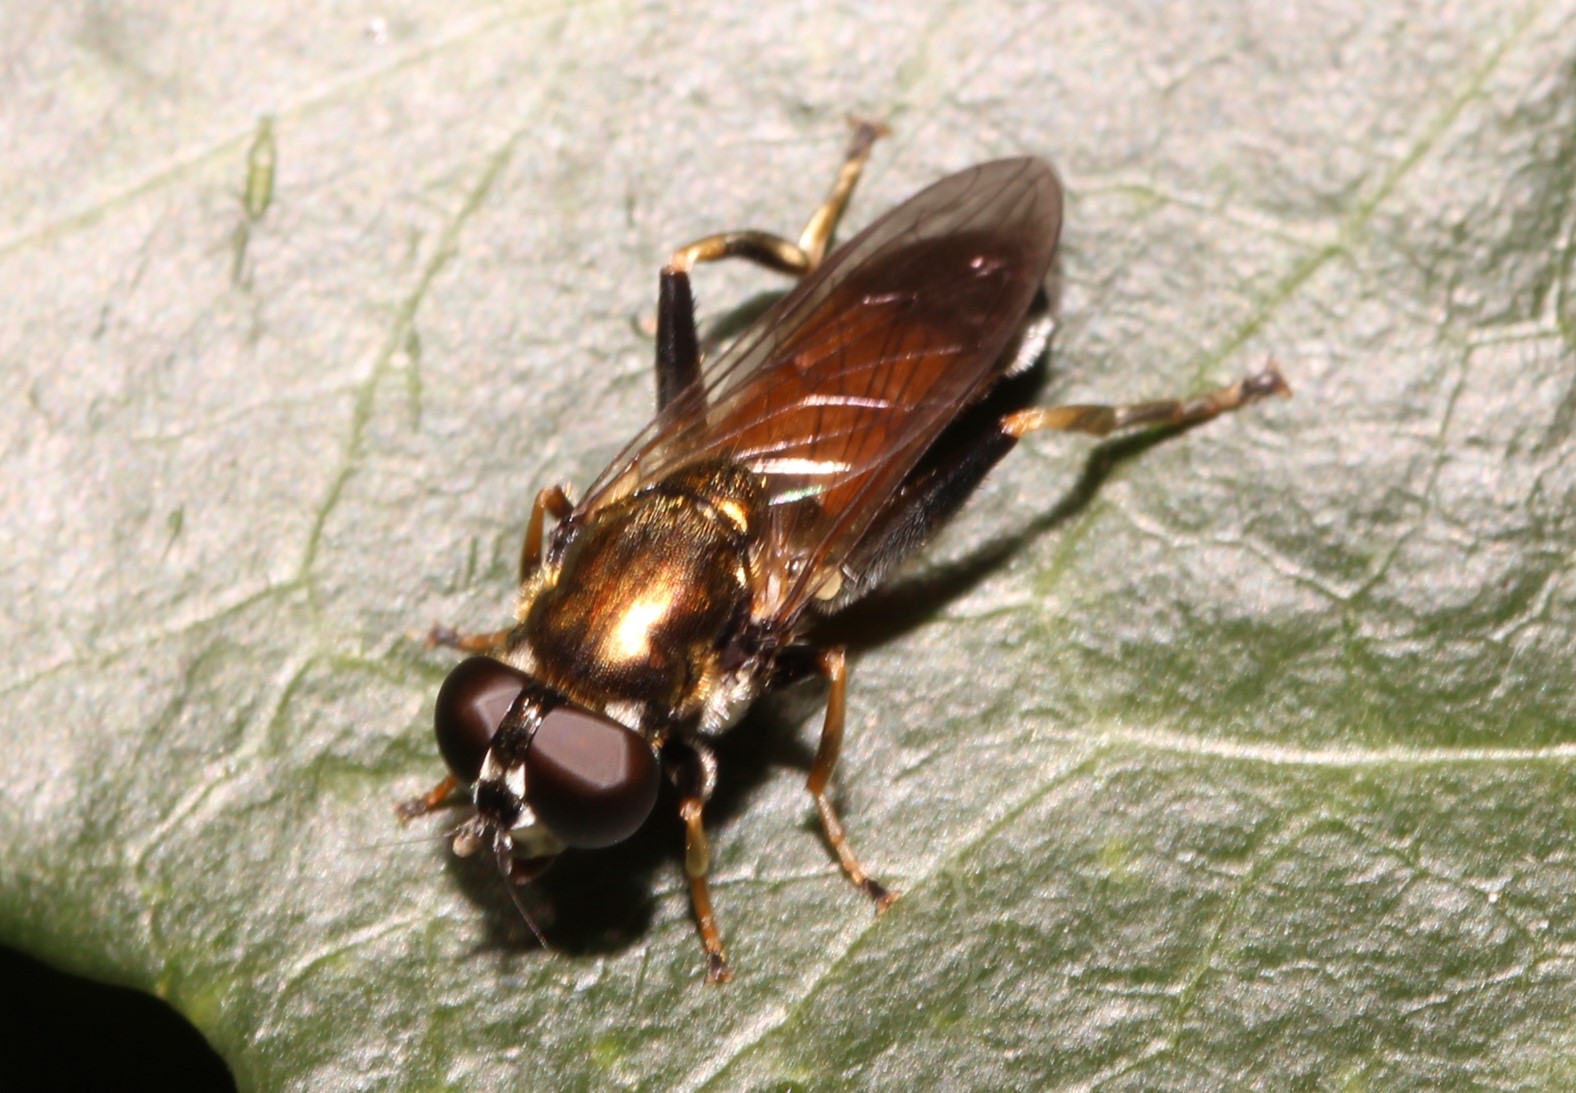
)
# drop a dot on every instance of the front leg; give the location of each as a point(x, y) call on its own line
point(695, 773)
point(552, 499)
point(430, 801)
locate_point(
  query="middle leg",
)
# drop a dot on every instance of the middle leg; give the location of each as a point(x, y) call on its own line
point(834, 665)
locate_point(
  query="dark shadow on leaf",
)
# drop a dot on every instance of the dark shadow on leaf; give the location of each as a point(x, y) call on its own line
point(588, 902)
point(725, 328)
point(904, 604)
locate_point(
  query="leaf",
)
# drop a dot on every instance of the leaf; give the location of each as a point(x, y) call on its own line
point(1239, 758)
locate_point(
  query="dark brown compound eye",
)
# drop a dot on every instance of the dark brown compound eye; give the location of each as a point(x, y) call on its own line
point(471, 703)
point(592, 781)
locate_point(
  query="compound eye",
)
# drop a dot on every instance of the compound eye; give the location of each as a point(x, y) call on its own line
point(592, 781)
point(471, 703)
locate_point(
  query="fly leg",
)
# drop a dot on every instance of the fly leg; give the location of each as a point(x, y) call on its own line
point(450, 638)
point(938, 489)
point(775, 252)
point(834, 665)
point(1099, 420)
point(430, 801)
point(553, 499)
point(696, 776)
point(678, 346)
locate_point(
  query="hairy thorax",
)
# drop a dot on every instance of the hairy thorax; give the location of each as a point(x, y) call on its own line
point(647, 593)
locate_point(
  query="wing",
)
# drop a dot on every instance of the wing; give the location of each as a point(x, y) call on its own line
point(835, 393)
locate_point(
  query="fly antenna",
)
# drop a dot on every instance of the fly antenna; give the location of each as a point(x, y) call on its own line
point(506, 867)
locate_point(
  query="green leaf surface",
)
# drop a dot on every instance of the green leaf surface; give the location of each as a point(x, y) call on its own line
point(1244, 758)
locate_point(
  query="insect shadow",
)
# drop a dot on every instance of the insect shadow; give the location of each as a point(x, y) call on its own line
point(907, 601)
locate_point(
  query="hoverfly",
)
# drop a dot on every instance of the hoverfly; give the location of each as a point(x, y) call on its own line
point(778, 482)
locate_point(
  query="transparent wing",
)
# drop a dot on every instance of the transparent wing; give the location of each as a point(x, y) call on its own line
point(835, 393)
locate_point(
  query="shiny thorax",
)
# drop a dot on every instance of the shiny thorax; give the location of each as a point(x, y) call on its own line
point(640, 609)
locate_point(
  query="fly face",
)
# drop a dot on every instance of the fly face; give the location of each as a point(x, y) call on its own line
point(777, 482)
point(547, 774)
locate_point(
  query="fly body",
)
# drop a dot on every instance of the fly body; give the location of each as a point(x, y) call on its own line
point(778, 481)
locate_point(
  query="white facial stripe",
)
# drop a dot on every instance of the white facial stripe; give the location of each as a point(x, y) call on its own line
point(491, 771)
